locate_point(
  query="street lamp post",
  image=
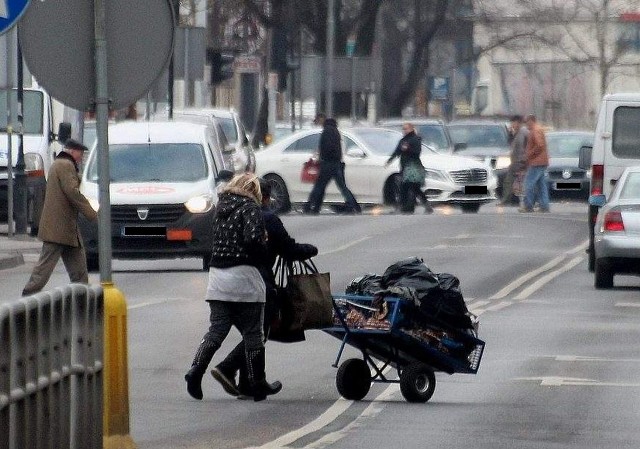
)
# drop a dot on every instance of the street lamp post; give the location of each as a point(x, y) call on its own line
point(351, 46)
point(331, 25)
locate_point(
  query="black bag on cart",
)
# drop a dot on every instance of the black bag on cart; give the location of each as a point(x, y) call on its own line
point(437, 296)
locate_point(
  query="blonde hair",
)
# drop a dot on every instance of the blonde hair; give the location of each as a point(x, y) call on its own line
point(246, 184)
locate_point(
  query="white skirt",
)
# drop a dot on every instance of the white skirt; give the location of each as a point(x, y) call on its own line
point(242, 283)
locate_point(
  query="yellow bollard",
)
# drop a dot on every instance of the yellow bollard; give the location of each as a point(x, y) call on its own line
point(115, 430)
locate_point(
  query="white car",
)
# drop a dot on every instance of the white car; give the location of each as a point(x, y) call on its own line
point(450, 179)
point(163, 191)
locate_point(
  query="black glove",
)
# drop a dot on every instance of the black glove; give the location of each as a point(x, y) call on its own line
point(306, 251)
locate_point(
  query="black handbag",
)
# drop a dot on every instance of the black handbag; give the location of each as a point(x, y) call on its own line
point(303, 299)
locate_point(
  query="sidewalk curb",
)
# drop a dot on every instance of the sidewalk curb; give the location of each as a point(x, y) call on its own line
point(12, 261)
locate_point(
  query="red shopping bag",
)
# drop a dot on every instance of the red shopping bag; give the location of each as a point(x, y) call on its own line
point(310, 171)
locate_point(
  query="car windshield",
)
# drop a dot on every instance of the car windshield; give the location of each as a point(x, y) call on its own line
point(631, 188)
point(155, 162)
point(229, 129)
point(381, 142)
point(433, 135)
point(567, 145)
point(492, 135)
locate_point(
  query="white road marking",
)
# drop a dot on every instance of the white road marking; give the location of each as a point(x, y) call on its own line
point(500, 305)
point(627, 304)
point(473, 305)
point(553, 381)
point(526, 277)
point(330, 415)
point(548, 278)
point(347, 246)
point(371, 411)
point(530, 275)
point(581, 358)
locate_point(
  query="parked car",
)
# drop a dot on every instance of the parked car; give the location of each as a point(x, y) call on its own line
point(284, 129)
point(433, 132)
point(450, 179)
point(485, 140)
point(617, 230)
point(564, 175)
point(242, 157)
point(163, 191)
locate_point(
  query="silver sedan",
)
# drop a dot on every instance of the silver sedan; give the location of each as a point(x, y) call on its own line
point(617, 230)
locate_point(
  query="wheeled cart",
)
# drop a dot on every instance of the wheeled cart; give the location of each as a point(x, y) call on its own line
point(393, 331)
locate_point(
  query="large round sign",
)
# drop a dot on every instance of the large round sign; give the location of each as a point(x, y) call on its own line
point(57, 41)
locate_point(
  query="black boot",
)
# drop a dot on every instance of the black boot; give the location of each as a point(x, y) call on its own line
point(225, 371)
point(205, 353)
point(259, 386)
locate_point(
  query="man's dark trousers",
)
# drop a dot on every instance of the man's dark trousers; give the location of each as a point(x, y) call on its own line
point(330, 170)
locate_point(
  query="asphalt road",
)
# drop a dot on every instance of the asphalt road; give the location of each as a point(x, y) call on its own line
point(560, 369)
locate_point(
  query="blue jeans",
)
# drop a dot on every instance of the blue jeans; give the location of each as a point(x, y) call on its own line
point(535, 187)
point(330, 170)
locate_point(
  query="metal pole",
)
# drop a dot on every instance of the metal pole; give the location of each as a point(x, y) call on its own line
point(10, 115)
point(354, 114)
point(21, 179)
point(102, 119)
point(186, 68)
point(331, 25)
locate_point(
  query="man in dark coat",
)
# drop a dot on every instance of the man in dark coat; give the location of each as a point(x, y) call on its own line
point(279, 243)
point(58, 227)
point(331, 167)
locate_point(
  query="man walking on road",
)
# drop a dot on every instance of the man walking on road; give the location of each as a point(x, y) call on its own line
point(535, 183)
point(58, 228)
point(331, 167)
point(518, 165)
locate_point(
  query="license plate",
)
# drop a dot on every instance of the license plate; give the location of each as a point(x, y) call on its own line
point(475, 190)
point(144, 231)
point(568, 186)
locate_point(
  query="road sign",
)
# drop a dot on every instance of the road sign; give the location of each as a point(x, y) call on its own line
point(10, 12)
point(57, 40)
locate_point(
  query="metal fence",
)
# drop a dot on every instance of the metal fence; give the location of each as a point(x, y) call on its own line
point(51, 347)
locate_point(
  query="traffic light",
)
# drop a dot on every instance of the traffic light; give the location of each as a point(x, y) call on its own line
point(221, 65)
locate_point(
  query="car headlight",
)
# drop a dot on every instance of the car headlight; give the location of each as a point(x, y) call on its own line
point(200, 204)
point(33, 162)
point(502, 162)
point(435, 175)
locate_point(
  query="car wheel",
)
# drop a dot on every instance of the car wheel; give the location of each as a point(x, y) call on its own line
point(279, 194)
point(603, 274)
point(470, 208)
point(391, 194)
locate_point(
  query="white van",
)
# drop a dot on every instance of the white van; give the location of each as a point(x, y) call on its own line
point(42, 117)
point(163, 191)
point(616, 146)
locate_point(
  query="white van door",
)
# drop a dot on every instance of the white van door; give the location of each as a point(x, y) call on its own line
point(621, 141)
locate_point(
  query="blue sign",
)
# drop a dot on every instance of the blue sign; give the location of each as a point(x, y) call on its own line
point(438, 88)
point(10, 13)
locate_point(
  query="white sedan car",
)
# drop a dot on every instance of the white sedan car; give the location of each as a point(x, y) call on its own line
point(449, 179)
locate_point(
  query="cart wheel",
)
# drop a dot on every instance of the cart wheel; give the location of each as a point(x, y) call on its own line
point(417, 382)
point(353, 379)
